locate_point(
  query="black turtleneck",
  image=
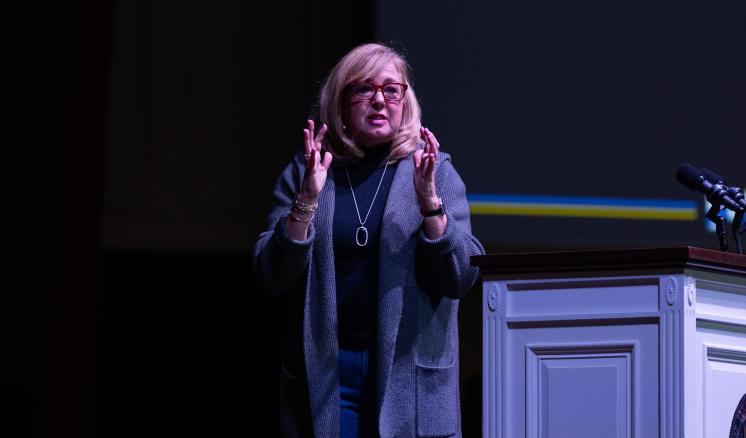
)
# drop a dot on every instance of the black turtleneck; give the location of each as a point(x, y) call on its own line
point(356, 267)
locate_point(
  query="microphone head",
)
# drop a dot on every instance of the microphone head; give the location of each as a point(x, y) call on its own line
point(712, 176)
point(690, 176)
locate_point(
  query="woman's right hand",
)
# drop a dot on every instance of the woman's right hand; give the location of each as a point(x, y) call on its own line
point(316, 168)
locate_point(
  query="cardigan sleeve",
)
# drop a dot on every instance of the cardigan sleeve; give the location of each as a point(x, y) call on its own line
point(280, 261)
point(442, 264)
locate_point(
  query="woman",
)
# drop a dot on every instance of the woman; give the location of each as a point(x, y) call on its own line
point(369, 241)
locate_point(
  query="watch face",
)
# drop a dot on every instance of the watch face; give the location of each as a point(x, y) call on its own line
point(738, 426)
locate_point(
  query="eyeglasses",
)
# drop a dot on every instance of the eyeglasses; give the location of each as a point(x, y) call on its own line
point(392, 92)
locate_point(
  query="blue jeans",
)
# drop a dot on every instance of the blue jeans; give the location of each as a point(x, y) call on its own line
point(357, 394)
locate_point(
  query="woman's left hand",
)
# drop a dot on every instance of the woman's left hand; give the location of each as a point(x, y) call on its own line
point(424, 171)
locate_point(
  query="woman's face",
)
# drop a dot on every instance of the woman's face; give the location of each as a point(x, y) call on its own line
point(374, 122)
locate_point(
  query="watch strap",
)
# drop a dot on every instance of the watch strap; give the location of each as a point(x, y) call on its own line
point(438, 211)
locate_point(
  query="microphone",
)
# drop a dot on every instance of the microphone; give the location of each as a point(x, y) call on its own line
point(716, 193)
point(712, 176)
point(736, 193)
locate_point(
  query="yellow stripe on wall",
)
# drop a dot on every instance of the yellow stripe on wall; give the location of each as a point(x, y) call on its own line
point(582, 211)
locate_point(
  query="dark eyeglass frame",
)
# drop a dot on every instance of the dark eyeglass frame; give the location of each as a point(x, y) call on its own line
point(376, 88)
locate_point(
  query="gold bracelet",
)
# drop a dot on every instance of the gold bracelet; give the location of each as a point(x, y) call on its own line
point(301, 207)
point(297, 219)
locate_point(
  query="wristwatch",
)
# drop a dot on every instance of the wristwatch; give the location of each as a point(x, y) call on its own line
point(437, 212)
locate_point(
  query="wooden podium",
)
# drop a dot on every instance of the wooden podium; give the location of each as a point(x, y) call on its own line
point(623, 343)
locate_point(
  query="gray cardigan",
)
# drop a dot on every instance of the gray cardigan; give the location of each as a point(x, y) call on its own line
point(420, 281)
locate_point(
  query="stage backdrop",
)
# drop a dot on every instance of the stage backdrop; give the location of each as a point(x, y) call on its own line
point(568, 120)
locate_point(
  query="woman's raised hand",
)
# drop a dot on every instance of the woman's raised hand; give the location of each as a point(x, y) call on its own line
point(424, 166)
point(316, 168)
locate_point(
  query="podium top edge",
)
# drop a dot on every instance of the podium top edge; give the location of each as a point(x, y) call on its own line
point(612, 259)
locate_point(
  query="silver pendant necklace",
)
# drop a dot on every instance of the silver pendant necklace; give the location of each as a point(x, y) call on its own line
point(361, 230)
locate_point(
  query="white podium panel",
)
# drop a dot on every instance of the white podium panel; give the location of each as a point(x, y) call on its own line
point(645, 343)
point(721, 342)
point(600, 383)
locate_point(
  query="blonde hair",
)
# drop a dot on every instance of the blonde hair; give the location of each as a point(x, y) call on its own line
point(360, 64)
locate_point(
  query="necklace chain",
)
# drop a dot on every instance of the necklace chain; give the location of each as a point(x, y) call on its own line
point(354, 200)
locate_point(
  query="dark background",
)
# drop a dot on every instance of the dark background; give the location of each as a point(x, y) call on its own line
point(142, 140)
point(580, 98)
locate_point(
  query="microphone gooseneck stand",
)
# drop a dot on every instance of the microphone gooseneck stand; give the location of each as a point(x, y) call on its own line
point(719, 198)
point(739, 227)
point(720, 224)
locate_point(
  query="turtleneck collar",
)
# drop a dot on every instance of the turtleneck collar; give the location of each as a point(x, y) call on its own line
point(374, 157)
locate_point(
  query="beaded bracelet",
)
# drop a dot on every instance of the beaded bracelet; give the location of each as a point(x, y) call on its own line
point(301, 207)
point(297, 219)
